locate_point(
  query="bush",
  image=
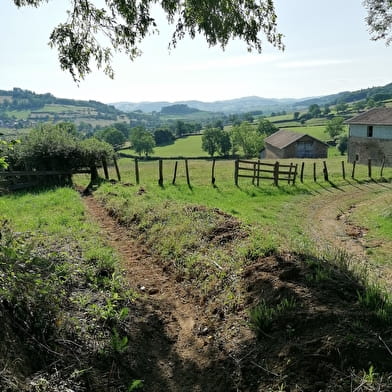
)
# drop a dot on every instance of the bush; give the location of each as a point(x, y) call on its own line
point(53, 147)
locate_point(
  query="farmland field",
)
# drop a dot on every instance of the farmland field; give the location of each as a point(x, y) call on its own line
point(189, 146)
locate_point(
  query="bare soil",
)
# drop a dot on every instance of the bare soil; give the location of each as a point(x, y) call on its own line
point(322, 344)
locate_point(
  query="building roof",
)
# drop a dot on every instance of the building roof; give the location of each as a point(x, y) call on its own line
point(376, 116)
point(283, 138)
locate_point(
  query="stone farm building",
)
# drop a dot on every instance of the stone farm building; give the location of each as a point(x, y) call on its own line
point(286, 144)
point(370, 137)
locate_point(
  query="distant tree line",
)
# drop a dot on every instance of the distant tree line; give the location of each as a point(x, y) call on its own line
point(20, 99)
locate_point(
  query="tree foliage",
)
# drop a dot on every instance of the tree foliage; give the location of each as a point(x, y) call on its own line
point(125, 23)
point(215, 140)
point(379, 19)
point(142, 141)
point(343, 144)
point(246, 137)
point(112, 136)
point(54, 147)
point(266, 127)
point(314, 110)
point(335, 127)
point(163, 136)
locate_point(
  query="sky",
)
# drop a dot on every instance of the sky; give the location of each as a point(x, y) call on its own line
point(328, 50)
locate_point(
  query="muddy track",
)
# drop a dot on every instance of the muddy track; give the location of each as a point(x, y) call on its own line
point(328, 219)
point(182, 345)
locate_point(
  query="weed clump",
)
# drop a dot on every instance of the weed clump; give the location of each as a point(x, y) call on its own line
point(62, 322)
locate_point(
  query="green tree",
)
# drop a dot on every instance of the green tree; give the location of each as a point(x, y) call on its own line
point(124, 128)
point(216, 140)
point(360, 105)
point(341, 107)
point(210, 140)
point(142, 141)
point(296, 116)
point(224, 143)
point(314, 110)
point(266, 127)
point(335, 127)
point(112, 136)
point(124, 24)
point(370, 103)
point(246, 137)
point(6, 147)
point(163, 136)
point(343, 144)
point(327, 110)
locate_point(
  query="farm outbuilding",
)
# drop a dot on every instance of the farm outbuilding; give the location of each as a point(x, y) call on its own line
point(370, 137)
point(287, 144)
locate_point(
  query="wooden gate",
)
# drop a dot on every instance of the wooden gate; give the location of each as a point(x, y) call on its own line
point(257, 170)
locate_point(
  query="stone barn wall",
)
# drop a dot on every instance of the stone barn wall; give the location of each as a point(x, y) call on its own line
point(362, 149)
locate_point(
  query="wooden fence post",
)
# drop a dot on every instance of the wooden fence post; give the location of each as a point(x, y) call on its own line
point(137, 171)
point(343, 171)
point(295, 173)
point(116, 167)
point(236, 165)
point(325, 171)
point(314, 172)
point(254, 173)
point(175, 173)
point(290, 170)
point(258, 172)
point(105, 168)
point(353, 171)
point(213, 172)
point(160, 165)
point(187, 173)
point(302, 171)
point(382, 166)
point(370, 168)
point(276, 173)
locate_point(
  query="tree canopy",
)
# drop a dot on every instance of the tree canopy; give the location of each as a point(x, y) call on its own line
point(125, 23)
point(335, 127)
point(142, 141)
point(379, 19)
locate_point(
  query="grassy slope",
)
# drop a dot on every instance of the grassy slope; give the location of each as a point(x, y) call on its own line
point(376, 218)
point(172, 222)
point(67, 283)
point(265, 204)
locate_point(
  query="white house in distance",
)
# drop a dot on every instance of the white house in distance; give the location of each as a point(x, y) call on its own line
point(370, 137)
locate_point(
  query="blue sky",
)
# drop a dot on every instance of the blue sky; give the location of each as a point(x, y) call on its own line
point(328, 50)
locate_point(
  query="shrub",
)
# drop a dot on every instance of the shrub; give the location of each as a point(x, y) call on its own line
point(57, 147)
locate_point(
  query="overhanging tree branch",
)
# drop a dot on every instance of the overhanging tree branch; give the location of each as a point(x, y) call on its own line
point(125, 23)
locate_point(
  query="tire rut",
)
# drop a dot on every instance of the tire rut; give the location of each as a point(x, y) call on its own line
point(328, 220)
point(162, 296)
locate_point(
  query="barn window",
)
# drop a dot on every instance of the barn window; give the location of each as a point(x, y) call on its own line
point(370, 131)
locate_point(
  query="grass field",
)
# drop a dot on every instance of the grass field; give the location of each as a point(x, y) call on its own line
point(54, 108)
point(19, 114)
point(189, 146)
point(248, 202)
point(196, 116)
point(316, 131)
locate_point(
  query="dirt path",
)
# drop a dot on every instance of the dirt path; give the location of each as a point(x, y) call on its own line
point(329, 224)
point(186, 343)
